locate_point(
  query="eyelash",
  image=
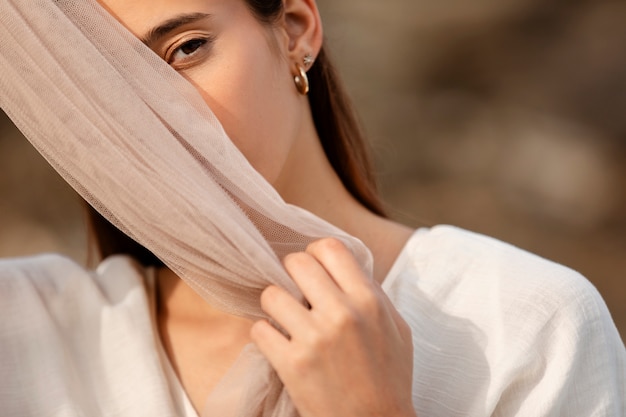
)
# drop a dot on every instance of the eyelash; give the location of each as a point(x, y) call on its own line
point(202, 42)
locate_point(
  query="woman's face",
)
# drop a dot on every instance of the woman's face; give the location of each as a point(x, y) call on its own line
point(239, 65)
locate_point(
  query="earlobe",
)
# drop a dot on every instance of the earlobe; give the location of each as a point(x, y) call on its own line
point(303, 27)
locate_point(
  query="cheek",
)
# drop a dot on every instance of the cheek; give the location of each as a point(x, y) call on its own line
point(248, 88)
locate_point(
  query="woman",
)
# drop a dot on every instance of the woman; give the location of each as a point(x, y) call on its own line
point(451, 324)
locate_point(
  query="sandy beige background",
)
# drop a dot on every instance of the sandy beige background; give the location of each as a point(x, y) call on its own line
point(506, 117)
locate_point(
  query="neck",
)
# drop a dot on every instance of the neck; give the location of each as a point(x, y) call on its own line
point(308, 180)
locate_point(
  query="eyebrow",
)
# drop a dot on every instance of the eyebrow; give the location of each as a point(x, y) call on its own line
point(170, 25)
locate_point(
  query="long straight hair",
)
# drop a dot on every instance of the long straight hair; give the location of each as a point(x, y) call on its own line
point(337, 127)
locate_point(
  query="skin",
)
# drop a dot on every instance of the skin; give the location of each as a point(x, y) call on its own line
point(352, 336)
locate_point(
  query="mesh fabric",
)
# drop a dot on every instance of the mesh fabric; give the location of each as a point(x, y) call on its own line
point(138, 142)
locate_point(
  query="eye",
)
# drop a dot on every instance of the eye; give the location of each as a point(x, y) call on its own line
point(188, 50)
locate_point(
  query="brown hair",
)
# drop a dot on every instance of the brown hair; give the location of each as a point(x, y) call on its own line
point(337, 127)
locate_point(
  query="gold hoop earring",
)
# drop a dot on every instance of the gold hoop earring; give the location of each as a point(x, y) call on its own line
point(302, 81)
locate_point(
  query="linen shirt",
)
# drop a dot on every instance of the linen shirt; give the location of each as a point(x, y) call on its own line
point(496, 331)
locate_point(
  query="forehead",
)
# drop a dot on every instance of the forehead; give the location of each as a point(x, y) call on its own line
point(139, 16)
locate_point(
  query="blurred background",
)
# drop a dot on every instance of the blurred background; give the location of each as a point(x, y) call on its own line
point(505, 117)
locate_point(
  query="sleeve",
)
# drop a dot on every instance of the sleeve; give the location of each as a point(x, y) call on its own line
point(76, 343)
point(578, 363)
point(38, 313)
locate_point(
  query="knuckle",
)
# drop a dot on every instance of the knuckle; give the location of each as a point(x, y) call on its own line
point(345, 319)
point(257, 331)
point(369, 302)
point(319, 342)
point(269, 295)
point(327, 244)
point(296, 260)
point(301, 361)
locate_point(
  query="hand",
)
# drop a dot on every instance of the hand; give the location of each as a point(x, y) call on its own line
point(350, 354)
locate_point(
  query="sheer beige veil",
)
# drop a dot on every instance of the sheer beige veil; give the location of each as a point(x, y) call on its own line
point(137, 141)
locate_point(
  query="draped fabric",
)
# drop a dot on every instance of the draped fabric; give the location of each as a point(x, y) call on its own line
point(137, 141)
point(541, 342)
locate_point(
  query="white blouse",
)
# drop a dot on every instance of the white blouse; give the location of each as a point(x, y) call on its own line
point(497, 332)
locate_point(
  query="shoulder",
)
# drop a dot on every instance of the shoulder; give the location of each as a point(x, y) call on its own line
point(54, 287)
point(536, 336)
point(54, 275)
point(37, 280)
point(450, 257)
point(35, 269)
point(74, 339)
point(478, 275)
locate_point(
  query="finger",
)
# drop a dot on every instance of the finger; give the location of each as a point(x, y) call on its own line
point(285, 309)
point(317, 286)
point(340, 264)
point(272, 343)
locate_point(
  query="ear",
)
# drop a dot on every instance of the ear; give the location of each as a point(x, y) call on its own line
point(303, 27)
